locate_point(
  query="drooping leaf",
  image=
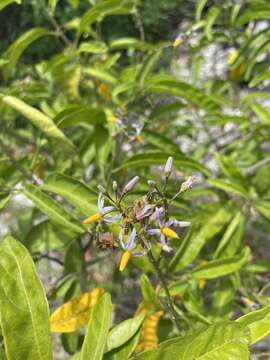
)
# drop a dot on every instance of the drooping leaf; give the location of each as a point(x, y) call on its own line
point(23, 305)
point(75, 313)
point(223, 341)
point(159, 158)
point(53, 209)
point(122, 332)
point(97, 331)
point(222, 267)
point(15, 50)
point(258, 323)
point(37, 118)
point(74, 191)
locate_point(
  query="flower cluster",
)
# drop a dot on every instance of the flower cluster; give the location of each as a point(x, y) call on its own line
point(145, 221)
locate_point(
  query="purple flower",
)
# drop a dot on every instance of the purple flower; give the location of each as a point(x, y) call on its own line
point(146, 211)
point(168, 166)
point(165, 230)
point(128, 248)
point(131, 184)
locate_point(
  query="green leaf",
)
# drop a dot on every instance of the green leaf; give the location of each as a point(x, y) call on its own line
point(37, 118)
point(223, 341)
point(183, 90)
point(210, 20)
point(160, 141)
point(258, 78)
point(103, 146)
point(23, 305)
point(229, 243)
point(4, 3)
point(4, 200)
point(258, 323)
point(97, 330)
point(262, 113)
point(263, 207)
point(79, 115)
point(229, 186)
point(74, 191)
point(53, 209)
point(159, 158)
point(148, 293)
point(100, 74)
point(230, 169)
point(123, 352)
point(260, 266)
point(194, 241)
point(133, 43)
point(199, 8)
point(52, 5)
point(223, 299)
point(147, 66)
point(122, 332)
point(92, 47)
point(14, 52)
point(222, 267)
point(102, 9)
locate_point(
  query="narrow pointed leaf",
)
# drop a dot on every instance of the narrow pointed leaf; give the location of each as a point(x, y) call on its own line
point(97, 331)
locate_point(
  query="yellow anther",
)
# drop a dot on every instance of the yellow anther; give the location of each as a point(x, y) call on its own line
point(202, 283)
point(139, 138)
point(92, 218)
point(177, 42)
point(124, 260)
point(169, 232)
point(112, 119)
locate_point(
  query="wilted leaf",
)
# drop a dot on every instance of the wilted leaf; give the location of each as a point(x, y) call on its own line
point(75, 313)
point(23, 305)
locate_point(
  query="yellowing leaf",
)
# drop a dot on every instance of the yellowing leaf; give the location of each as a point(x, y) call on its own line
point(148, 338)
point(75, 313)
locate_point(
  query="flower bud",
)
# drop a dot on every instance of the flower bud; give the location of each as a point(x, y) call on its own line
point(168, 166)
point(131, 184)
point(114, 185)
point(186, 185)
point(101, 189)
point(151, 184)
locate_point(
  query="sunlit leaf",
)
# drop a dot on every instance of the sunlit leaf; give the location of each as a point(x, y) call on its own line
point(75, 313)
point(24, 308)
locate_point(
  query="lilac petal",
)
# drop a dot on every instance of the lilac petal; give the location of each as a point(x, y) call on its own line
point(120, 238)
point(169, 223)
point(153, 231)
point(158, 214)
point(137, 254)
point(107, 209)
point(167, 248)
point(100, 202)
point(144, 212)
point(131, 239)
point(163, 240)
point(111, 219)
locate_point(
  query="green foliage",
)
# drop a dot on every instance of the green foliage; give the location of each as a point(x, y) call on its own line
point(96, 98)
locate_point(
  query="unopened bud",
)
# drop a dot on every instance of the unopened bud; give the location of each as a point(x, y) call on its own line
point(101, 189)
point(186, 185)
point(168, 166)
point(131, 184)
point(151, 184)
point(114, 185)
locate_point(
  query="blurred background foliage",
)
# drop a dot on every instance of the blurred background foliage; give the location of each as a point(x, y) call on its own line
point(88, 98)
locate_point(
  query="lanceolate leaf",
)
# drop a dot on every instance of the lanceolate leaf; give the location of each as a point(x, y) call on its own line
point(258, 323)
point(15, 50)
point(23, 305)
point(74, 191)
point(217, 268)
point(157, 158)
point(4, 3)
point(123, 352)
point(75, 313)
point(122, 332)
point(37, 118)
point(79, 115)
point(97, 331)
point(229, 186)
point(55, 211)
point(223, 341)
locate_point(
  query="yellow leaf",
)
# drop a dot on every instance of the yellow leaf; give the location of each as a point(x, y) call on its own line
point(75, 313)
point(148, 339)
